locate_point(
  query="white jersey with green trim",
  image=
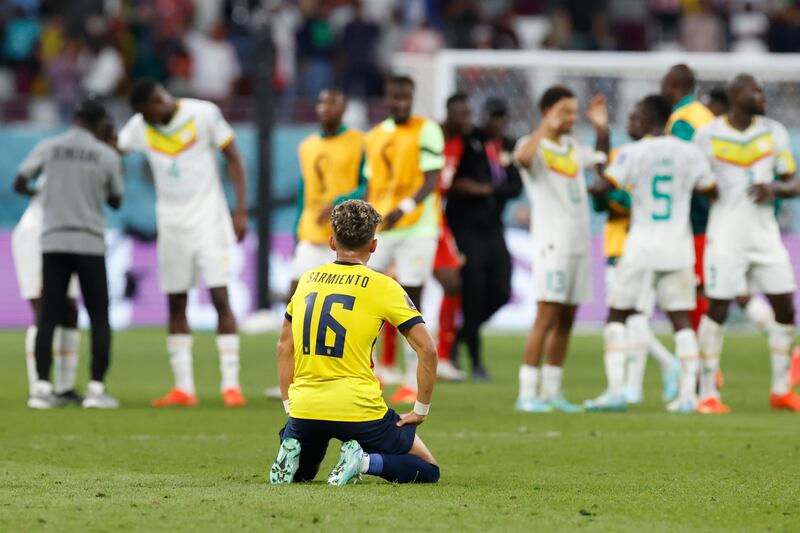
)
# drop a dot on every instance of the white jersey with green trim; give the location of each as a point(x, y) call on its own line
point(661, 174)
point(183, 159)
point(740, 159)
point(556, 188)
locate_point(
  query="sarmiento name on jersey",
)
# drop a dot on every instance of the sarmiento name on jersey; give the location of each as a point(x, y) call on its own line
point(338, 279)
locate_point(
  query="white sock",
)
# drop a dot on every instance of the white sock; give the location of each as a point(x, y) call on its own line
point(30, 357)
point(781, 340)
point(688, 353)
point(709, 338)
point(638, 337)
point(180, 359)
point(760, 313)
point(551, 381)
point(528, 381)
point(66, 346)
point(614, 338)
point(659, 352)
point(228, 346)
point(411, 366)
point(95, 388)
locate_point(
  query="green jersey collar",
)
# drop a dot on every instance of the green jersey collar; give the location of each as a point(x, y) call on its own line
point(341, 129)
point(686, 100)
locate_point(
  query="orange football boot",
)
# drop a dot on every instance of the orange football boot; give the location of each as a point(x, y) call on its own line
point(233, 397)
point(789, 401)
point(713, 406)
point(794, 369)
point(176, 398)
point(404, 394)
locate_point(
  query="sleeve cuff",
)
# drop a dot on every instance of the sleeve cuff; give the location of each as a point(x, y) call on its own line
point(410, 323)
point(227, 142)
point(287, 316)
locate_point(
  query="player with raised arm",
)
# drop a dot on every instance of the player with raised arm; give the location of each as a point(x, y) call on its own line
point(553, 163)
point(617, 202)
point(325, 366)
point(181, 138)
point(662, 173)
point(744, 248)
point(404, 157)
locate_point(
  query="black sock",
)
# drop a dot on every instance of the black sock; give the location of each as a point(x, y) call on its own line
point(405, 468)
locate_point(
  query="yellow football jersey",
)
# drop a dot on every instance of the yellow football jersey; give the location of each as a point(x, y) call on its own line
point(331, 166)
point(398, 156)
point(336, 314)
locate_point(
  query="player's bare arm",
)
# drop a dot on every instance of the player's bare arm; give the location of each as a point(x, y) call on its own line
point(471, 187)
point(285, 359)
point(786, 186)
point(548, 128)
point(22, 186)
point(431, 179)
point(237, 176)
point(422, 343)
point(597, 114)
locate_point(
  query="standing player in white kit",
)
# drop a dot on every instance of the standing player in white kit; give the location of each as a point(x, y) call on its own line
point(662, 173)
point(181, 138)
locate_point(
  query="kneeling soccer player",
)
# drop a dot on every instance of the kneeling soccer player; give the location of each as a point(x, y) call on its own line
point(325, 366)
point(662, 173)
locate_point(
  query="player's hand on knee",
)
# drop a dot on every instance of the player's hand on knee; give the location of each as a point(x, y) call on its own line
point(411, 418)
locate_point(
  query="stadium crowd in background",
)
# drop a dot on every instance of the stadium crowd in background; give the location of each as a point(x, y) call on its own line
point(68, 49)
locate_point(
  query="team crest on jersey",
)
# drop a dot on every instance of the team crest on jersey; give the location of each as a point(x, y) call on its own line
point(743, 153)
point(173, 141)
point(561, 163)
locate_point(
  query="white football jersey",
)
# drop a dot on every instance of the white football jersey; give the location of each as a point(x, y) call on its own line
point(183, 159)
point(556, 188)
point(661, 174)
point(740, 159)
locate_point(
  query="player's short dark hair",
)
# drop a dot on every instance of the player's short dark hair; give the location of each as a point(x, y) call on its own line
point(552, 95)
point(718, 94)
point(354, 224)
point(400, 79)
point(459, 97)
point(657, 109)
point(141, 91)
point(496, 107)
point(683, 77)
point(90, 112)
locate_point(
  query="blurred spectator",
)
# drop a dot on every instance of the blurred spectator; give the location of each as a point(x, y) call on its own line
point(105, 70)
point(315, 51)
point(214, 64)
point(361, 75)
point(22, 33)
point(460, 19)
point(423, 40)
point(749, 25)
point(64, 75)
point(701, 28)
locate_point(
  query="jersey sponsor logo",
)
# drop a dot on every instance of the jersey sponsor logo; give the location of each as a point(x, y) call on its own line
point(743, 153)
point(565, 164)
point(173, 142)
point(321, 164)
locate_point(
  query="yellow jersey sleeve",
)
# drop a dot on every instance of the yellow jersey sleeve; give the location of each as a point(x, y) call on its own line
point(399, 310)
point(289, 308)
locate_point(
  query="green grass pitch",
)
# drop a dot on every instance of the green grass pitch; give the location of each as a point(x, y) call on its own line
point(206, 468)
